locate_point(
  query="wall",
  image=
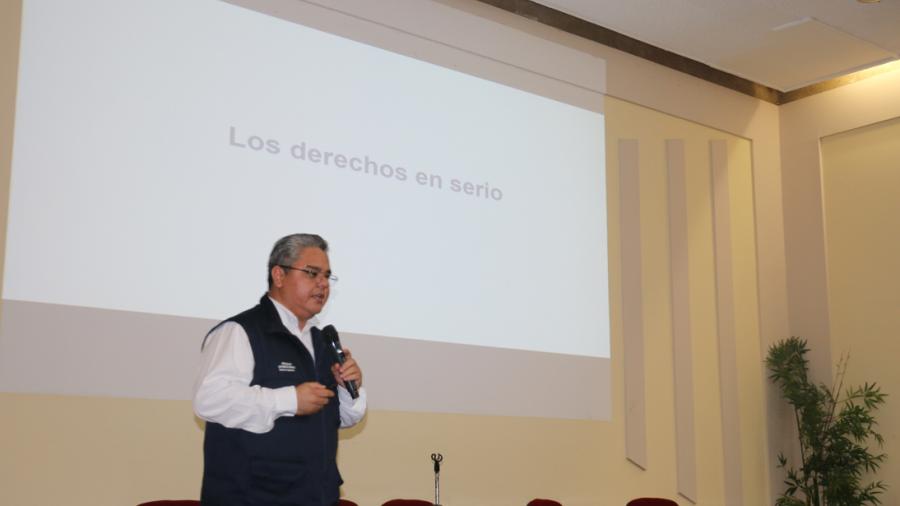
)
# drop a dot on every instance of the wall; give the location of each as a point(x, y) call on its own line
point(490, 460)
point(860, 180)
point(839, 229)
point(121, 451)
point(803, 124)
point(713, 255)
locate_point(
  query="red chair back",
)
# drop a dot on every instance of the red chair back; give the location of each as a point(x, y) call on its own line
point(651, 501)
point(407, 502)
point(346, 502)
point(544, 502)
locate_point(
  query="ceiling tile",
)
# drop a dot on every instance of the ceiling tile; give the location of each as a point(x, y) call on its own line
point(801, 54)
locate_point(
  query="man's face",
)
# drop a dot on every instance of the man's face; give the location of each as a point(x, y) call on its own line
point(302, 292)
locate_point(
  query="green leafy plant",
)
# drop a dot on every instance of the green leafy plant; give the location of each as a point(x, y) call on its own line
point(834, 429)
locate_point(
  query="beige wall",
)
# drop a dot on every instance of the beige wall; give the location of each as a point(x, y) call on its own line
point(861, 181)
point(652, 129)
point(121, 451)
point(803, 124)
point(841, 291)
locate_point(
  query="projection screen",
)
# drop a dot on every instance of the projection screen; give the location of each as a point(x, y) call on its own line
point(162, 147)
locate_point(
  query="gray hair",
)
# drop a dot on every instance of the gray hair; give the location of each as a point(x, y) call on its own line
point(287, 250)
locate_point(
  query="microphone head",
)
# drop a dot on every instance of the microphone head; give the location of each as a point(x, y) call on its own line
point(329, 333)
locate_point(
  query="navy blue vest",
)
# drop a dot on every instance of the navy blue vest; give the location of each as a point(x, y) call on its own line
point(294, 463)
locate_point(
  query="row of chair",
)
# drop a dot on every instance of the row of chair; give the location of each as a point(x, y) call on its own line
point(643, 501)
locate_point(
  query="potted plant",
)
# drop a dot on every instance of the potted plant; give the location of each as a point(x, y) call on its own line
point(835, 427)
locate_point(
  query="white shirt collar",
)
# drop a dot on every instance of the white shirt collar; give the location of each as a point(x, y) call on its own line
point(290, 320)
point(292, 323)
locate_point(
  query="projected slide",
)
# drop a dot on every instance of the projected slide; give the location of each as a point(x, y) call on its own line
point(162, 147)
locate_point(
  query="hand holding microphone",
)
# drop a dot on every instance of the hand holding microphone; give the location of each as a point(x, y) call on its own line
point(346, 371)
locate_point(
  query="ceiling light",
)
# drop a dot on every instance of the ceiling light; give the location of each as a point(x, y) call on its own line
point(868, 1)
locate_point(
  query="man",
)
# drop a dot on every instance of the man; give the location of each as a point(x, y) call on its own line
point(271, 393)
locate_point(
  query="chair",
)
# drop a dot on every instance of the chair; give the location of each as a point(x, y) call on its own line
point(543, 502)
point(407, 502)
point(346, 502)
point(172, 502)
point(651, 501)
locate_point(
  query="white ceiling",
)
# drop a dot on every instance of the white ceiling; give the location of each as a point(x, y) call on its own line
point(783, 44)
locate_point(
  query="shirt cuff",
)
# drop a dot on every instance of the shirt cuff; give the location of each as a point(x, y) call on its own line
point(346, 399)
point(285, 401)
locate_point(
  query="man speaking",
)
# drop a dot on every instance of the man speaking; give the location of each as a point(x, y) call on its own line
point(273, 393)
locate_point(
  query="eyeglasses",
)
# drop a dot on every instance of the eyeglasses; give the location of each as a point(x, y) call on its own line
point(312, 273)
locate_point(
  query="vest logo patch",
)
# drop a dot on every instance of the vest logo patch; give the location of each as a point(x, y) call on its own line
point(286, 367)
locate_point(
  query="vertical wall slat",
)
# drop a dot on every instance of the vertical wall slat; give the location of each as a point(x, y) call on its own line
point(682, 350)
point(632, 302)
point(728, 377)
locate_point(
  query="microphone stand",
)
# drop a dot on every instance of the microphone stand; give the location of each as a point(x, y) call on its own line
point(437, 458)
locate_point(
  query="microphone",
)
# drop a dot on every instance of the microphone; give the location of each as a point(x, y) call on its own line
point(437, 458)
point(334, 343)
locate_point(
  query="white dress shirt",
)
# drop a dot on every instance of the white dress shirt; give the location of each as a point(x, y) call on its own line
point(222, 391)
